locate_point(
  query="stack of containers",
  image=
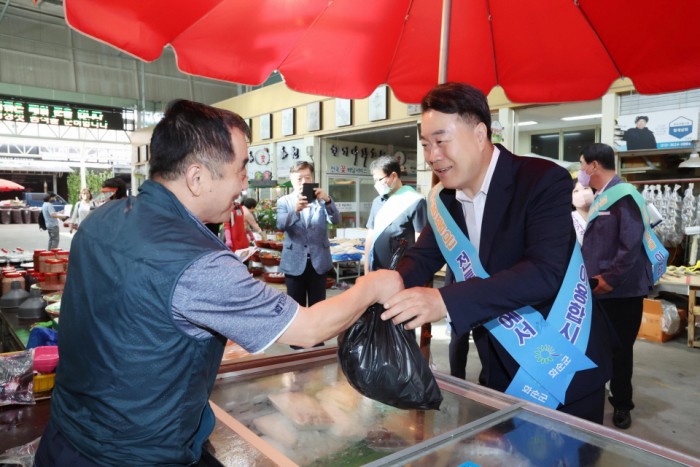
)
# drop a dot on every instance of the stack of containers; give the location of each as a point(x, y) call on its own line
point(52, 267)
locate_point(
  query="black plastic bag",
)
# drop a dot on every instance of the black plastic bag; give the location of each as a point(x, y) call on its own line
point(382, 361)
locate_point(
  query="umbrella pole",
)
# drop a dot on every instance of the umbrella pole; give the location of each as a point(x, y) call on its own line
point(426, 334)
point(444, 40)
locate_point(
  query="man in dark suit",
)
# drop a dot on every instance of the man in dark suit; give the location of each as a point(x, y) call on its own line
point(516, 212)
point(614, 254)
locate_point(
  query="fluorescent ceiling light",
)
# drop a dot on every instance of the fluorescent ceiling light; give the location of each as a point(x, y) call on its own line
point(582, 117)
point(530, 122)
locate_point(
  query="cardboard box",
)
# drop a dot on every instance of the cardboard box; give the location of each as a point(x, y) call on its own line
point(651, 322)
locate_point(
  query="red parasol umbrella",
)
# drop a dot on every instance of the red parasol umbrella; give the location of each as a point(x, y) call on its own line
point(8, 185)
point(536, 50)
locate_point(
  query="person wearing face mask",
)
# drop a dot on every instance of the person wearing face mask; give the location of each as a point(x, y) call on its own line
point(621, 252)
point(81, 209)
point(581, 198)
point(115, 187)
point(398, 213)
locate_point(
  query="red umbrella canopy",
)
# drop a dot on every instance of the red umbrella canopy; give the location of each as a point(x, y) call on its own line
point(536, 50)
point(9, 185)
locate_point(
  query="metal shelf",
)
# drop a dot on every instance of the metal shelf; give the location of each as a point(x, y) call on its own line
point(655, 152)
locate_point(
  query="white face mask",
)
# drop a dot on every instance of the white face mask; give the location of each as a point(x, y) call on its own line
point(583, 198)
point(382, 188)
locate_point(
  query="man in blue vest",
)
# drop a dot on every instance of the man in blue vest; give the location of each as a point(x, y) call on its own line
point(502, 223)
point(614, 253)
point(153, 295)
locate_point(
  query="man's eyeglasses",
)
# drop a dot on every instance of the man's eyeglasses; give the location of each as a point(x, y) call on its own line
point(380, 179)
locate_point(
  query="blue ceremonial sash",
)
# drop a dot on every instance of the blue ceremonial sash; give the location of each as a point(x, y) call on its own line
point(550, 351)
point(658, 255)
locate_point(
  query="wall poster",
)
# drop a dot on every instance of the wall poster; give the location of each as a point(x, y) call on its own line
point(287, 122)
point(413, 109)
point(259, 168)
point(343, 112)
point(668, 129)
point(377, 104)
point(265, 126)
point(313, 116)
point(289, 152)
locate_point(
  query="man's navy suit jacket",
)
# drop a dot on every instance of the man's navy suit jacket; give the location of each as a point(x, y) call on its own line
point(527, 238)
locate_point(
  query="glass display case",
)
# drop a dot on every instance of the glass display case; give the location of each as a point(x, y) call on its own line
point(300, 410)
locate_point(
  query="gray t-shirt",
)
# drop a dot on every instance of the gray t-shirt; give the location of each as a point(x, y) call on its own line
point(216, 293)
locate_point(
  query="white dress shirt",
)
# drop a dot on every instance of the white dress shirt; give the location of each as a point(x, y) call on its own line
point(473, 208)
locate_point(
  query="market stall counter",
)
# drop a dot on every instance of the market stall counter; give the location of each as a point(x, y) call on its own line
point(299, 410)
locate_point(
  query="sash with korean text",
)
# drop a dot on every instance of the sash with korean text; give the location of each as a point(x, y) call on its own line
point(549, 351)
point(658, 255)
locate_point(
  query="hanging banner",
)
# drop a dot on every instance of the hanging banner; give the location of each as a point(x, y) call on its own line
point(668, 129)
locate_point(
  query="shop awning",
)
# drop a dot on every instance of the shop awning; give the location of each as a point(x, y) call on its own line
point(34, 166)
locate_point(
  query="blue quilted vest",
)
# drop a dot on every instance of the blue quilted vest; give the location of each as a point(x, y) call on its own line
point(131, 387)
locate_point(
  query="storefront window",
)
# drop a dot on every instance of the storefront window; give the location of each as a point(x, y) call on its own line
point(343, 190)
point(545, 145)
point(353, 196)
point(566, 145)
point(575, 141)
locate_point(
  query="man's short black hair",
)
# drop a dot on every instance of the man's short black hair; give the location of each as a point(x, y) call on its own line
point(193, 132)
point(602, 153)
point(641, 117)
point(49, 196)
point(459, 98)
